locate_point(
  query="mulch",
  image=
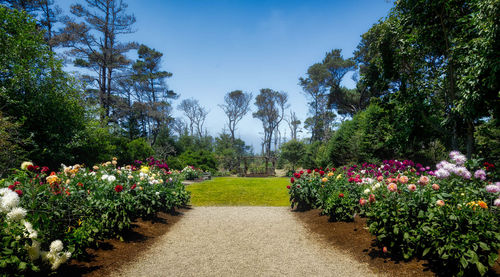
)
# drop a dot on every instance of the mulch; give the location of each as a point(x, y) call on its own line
point(355, 239)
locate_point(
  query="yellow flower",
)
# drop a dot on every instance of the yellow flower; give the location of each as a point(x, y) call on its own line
point(339, 176)
point(330, 174)
point(144, 169)
point(324, 180)
point(52, 179)
point(25, 165)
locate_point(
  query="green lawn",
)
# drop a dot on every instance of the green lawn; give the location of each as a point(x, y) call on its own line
point(234, 191)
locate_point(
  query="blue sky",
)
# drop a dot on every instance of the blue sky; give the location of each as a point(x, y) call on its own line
point(214, 47)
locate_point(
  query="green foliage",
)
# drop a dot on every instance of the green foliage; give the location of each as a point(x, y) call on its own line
point(293, 151)
point(202, 159)
point(35, 91)
point(138, 149)
point(11, 153)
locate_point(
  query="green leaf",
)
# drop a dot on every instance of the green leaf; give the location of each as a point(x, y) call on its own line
point(481, 268)
point(484, 246)
point(492, 258)
point(396, 230)
point(426, 250)
point(463, 262)
point(22, 266)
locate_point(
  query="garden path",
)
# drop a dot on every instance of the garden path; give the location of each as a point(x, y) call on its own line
point(241, 241)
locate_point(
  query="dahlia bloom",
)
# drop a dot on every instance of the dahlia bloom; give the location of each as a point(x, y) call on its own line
point(440, 203)
point(16, 214)
point(403, 179)
point(424, 180)
point(480, 174)
point(492, 188)
point(412, 187)
point(392, 187)
point(497, 202)
point(435, 186)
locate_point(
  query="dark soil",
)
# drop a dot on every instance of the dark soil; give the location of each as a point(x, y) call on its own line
point(355, 239)
point(113, 253)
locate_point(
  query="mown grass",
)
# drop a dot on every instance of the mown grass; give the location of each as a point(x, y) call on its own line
point(234, 191)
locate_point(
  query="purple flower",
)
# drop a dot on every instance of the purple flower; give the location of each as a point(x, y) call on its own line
point(442, 173)
point(492, 188)
point(454, 153)
point(480, 174)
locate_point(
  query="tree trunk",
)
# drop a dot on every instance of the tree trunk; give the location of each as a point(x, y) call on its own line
point(470, 138)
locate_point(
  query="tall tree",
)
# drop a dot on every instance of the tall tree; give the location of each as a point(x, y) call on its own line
point(315, 87)
point(337, 67)
point(236, 106)
point(153, 89)
point(271, 107)
point(293, 123)
point(196, 115)
point(94, 44)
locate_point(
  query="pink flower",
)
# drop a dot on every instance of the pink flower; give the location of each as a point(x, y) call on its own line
point(384, 249)
point(392, 187)
point(412, 187)
point(489, 188)
point(440, 203)
point(497, 202)
point(424, 180)
point(403, 179)
point(435, 186)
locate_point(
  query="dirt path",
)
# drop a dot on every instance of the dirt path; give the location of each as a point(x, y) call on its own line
point(241, 241)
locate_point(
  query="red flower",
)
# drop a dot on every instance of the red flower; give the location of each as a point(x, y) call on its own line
point(45, 169)
point(12, 187)
point(19, 192)
point(288, 187)
point(372, 198)
point(298, 186)
point(296, 175)
point(341, 195)
point(321, 173)
point(118, 188)
point(309, 171)
point(292, 180)
point(384, 249)
point(316, 170)
point(133, 186)
point(17, 183)
point(333, 169)
point(31, 168)
point(302, 172)
point(80, 184)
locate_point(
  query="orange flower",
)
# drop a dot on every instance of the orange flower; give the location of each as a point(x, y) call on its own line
point(482, 204)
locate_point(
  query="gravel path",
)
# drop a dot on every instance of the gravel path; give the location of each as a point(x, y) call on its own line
point(241, 241)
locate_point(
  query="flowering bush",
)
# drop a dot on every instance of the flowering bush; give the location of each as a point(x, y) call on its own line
point(449, 215)
point(191, 173)
point(79, 206)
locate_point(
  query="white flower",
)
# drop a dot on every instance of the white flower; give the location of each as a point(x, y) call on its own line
point(377, 185)
point(104, 177)
point(16, 214)
point(56, 246)
point(111, 178)
point(9, 200)
point(367, 191)
point(25, 165)
point(92, 173)
point(157, 193)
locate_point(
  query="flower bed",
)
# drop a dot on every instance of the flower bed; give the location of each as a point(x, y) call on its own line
point(449, 215)
point(70, 210)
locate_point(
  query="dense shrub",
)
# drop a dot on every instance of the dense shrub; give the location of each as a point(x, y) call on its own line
point(79, 206)
point(449, 215)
